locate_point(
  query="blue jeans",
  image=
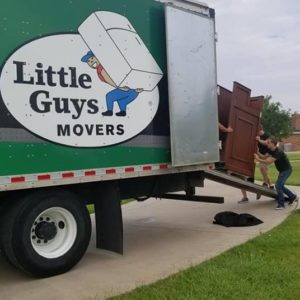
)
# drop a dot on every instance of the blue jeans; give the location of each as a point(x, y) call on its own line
point(122, 97)
point(281, 189)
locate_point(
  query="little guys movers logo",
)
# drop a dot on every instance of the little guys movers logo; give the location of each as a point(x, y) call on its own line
point(91, 89)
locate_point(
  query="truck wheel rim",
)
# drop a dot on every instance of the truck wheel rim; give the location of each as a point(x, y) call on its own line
point(53, 232)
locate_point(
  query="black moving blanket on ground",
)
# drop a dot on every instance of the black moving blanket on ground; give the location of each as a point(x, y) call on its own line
point(232, 219)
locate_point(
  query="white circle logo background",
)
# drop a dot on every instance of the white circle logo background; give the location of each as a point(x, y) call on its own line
point(65, 51)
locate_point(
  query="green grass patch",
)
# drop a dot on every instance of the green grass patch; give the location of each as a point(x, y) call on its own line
point(267, 267)
point(294, 155)
point(294, 179)
point(91, 207)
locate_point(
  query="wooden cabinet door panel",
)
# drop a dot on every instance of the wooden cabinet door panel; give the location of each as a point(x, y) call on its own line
point(243, 116)
point(240, 144)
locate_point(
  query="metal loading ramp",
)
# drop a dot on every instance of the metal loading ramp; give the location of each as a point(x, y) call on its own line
point(237, 182)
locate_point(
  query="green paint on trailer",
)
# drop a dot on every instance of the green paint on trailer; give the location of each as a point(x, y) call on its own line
point(22, 21)
point(19, 158)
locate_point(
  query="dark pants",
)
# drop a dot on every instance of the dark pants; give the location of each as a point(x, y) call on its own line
point(281, 189)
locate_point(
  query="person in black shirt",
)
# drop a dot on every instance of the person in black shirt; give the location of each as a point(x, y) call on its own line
point(284, 168)
point(263, 153)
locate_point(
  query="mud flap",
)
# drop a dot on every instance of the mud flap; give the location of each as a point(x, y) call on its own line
point(109, 221)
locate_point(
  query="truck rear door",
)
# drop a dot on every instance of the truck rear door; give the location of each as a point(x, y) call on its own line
point(192, 83)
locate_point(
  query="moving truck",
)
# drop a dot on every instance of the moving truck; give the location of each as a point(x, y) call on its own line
point(100, 101)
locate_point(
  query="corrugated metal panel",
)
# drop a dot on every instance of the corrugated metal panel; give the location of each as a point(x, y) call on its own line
point(192, 87)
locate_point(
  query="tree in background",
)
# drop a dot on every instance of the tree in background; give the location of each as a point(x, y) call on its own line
point(276, 120)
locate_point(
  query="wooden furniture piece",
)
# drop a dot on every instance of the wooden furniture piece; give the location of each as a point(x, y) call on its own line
point(242, 112)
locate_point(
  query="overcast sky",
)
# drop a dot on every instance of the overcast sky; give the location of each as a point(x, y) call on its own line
point(259, 46)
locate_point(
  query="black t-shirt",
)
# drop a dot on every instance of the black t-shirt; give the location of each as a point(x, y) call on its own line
point(263, 149)
point(282, 163)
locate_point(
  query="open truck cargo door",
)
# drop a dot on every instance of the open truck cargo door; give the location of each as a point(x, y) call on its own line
point(192, 83)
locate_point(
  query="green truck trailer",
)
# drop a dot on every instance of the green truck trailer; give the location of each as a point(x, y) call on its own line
point(100, 101)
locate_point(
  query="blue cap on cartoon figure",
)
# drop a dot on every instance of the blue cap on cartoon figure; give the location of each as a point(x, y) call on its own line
point(86, 57)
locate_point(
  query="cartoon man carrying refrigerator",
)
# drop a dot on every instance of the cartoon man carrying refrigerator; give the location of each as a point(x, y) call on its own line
point(122, 95)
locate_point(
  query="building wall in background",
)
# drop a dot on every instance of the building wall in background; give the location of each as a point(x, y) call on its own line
point(292, 143)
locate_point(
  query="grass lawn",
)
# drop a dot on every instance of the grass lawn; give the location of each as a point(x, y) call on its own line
point(294, 155)
point(294, 179)
point(267, 267)
point(91, 207)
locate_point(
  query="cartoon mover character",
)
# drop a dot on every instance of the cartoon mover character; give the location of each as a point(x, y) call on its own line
point(122, 95)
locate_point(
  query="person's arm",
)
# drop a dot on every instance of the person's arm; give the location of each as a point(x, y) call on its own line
point(225, 129)
point(262, 155)
point(108, 79)
point(263, 142)
point(267, 160)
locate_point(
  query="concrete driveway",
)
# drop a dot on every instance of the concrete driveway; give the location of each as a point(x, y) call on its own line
point(161, 237)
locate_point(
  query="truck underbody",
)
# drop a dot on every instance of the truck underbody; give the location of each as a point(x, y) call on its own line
point(35, 219)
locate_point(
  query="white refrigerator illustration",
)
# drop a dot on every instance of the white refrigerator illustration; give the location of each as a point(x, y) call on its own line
point(120, 50)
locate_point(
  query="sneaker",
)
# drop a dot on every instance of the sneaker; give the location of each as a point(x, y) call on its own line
point(243, 200)
point(265, 185)
point(271, 187)
point(294, 199)
point(279, 207)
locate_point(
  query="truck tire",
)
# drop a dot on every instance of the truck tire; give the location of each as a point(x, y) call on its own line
point(46, 233)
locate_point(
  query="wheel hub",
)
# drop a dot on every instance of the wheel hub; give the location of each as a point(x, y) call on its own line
point(53, 232)
point(45, 230)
